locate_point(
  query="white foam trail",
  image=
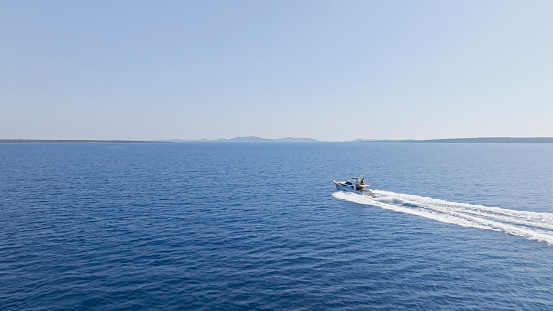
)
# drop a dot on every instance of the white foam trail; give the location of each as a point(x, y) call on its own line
point(529, 225)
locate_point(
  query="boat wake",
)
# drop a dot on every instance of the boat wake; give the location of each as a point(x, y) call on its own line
point(529, 225)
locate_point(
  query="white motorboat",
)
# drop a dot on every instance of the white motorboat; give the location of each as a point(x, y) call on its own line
point(354, 184)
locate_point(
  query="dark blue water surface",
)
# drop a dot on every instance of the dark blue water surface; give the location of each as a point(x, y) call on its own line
point(234, 226)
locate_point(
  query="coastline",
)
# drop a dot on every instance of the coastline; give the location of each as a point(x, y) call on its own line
point(78, 141)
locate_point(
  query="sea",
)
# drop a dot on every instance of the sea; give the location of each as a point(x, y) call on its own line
point(260, 226)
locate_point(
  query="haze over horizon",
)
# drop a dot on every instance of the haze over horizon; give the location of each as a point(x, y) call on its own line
point(328, 70)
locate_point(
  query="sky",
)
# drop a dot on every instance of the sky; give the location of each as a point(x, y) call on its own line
point(329, 70)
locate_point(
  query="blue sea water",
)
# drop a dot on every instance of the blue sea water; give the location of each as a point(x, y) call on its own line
point(233, 226)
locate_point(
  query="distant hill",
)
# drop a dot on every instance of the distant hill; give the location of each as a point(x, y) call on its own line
point(245, 139)
point(296, 140)
point(77, 141)
point(253, 139)
point(502, 140)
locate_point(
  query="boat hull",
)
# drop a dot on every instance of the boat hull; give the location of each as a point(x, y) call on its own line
point(351, 188)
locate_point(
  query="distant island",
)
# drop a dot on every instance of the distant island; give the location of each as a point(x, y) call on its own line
point(254, 139)
point(77, 141)
point(240, 139)
point(501, 140)
point(251, 139)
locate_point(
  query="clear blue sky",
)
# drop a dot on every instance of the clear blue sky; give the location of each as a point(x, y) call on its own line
point(330, 70)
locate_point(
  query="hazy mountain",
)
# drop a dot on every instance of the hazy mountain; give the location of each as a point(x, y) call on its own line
point(249, 139)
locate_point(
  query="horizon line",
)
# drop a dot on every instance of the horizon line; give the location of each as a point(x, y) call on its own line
point(261, 139)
